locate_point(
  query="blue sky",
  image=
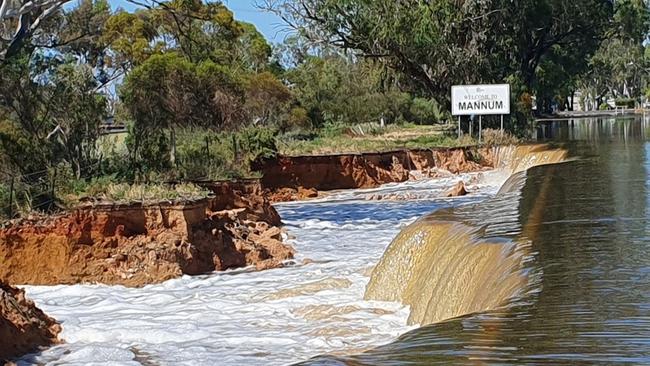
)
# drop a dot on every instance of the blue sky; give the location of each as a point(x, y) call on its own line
point(268, 24)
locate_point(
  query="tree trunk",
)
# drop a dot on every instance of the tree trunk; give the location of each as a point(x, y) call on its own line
point(172, 150)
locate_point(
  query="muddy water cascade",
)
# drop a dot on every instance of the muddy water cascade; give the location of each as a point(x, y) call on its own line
point(554, 269)
point(545, 262)
point(449, 263)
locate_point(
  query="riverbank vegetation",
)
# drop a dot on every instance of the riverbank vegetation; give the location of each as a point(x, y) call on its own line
point(371, 138)
point(178, 91)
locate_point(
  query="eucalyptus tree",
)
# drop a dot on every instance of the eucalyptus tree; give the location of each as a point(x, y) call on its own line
point(442, 42)
point(191, 65)
point(620, 67)
point(20, 20)
point(50, 104)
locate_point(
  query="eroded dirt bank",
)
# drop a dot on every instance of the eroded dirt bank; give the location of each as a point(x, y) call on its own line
point(136, 244)
point(23, 327)
point(349, 171)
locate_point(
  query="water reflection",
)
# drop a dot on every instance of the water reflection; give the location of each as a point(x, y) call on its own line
point(591, 251)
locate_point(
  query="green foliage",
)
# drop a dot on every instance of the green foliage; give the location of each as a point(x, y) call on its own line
point(131, 38)
point(619, 66)
point(21, 108)
point(53, 121)
point(267, 99)
point(199, 31)
point(426, 111)
point(335, 90)
point(4, 201)
point(148, 153)
point(625, 102)
point(202, 94)
point(169, 92)
point(631, 20)
point(204, 154)
point(298, 119)
point(433, 45)
point(77, 111)
point(257, 142)
point(253, 52)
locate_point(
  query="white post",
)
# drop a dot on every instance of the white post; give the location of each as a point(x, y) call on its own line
point(471, 127)
point(502, 122)
point(459, 132)
point(480, 121)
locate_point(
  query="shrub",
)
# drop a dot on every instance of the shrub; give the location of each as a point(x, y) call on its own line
point(625, 102)
point(204, 154)
point(298, 119)
point(426, 111)
point(256, 141)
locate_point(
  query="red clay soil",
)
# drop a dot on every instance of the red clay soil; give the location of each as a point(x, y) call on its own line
point(245, 193)
point(291, 194)
point(329, 172)
point(250, 193)
point(23, 327)
point(135, 245)
point(457, 190)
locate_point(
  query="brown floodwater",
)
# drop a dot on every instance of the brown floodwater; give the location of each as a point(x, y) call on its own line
point(555, 269)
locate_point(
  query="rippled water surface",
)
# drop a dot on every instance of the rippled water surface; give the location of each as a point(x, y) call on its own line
point(274, 317)
point(583, 227)
point(589, 302)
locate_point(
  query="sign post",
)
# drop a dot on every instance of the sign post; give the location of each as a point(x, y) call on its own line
point(480, 100)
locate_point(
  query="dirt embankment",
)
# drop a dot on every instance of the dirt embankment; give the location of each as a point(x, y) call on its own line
point(23, 327)
point(329, 172)
point(135, 245)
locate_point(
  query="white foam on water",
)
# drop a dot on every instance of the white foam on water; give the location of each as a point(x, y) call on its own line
point(243, 317)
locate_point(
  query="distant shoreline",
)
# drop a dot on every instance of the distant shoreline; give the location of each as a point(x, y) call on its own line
point(591, 114)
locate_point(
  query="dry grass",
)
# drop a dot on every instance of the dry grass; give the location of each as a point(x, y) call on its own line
point(497, 137)
point(392, 138)
point(145, 193)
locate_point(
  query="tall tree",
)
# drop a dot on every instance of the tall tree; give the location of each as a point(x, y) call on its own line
point(439, 43)
point(20, 20)
point(619, 67)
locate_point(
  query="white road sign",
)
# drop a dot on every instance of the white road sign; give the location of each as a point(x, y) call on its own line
point(480, 99)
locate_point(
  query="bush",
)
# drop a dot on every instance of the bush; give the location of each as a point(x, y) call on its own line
point(256, 141)
point(332, 130)
point(625, 102)
point(209, 155)
point(298, 119)
point(4, 200)
point(426, 111)
point(149, 152)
